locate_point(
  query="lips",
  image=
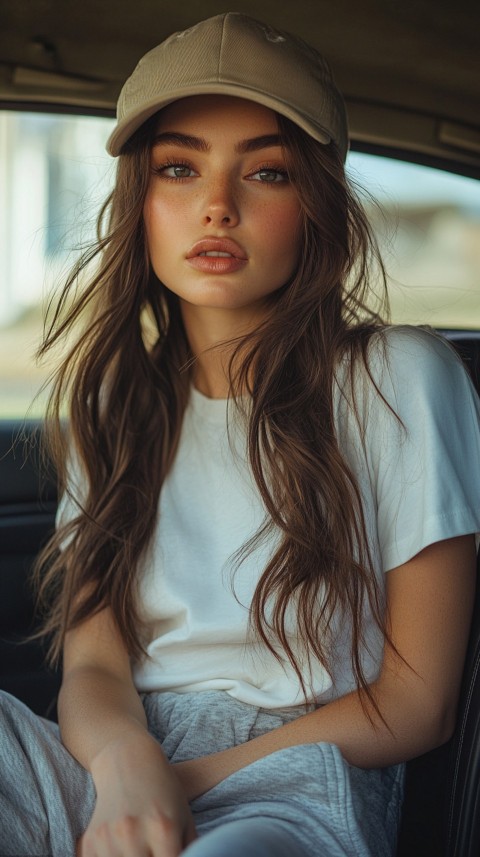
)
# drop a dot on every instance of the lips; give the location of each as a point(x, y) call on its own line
point(218, 248)
point(217, 256)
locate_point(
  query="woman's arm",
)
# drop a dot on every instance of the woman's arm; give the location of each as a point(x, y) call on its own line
point(429, 602)
point(141, 806)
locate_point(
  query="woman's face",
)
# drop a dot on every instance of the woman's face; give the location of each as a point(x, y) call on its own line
point(222, 219)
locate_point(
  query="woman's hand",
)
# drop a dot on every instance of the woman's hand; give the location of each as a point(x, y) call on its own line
point(141, 807)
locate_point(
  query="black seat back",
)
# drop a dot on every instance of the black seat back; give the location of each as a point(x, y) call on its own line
point(441, 815)
point(463, 784)
point(27, 514)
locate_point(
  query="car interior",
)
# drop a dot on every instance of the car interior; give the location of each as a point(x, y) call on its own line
point(410, 74)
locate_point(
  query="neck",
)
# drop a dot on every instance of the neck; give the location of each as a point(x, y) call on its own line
point(213, 335)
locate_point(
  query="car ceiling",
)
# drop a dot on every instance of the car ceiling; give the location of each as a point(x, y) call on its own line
point(410, 70)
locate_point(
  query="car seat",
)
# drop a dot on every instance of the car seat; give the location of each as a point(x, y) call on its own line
point(441, 815)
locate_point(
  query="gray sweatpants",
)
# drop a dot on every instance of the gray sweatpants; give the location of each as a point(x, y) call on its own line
point(303, 801)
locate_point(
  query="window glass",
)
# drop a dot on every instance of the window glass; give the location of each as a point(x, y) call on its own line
point(54, 175)
point(428, 228)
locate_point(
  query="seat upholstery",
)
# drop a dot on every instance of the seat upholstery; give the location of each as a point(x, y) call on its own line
point(463, 784)
point(441, 815)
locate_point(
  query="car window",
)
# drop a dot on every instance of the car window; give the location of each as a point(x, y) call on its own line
point(54, 174)
point(427, 224)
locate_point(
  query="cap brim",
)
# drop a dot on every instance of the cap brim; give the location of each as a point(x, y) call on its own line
point(130, 123)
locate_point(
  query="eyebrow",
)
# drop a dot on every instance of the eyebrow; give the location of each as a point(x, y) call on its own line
point(199, 144)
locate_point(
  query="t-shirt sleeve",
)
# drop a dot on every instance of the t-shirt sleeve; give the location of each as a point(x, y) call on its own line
point(423, 459)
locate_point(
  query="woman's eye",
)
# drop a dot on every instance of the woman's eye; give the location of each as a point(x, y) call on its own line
point(176, 171)
point(269, 175)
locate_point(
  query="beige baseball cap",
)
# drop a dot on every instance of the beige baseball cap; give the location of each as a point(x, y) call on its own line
point(232, 54)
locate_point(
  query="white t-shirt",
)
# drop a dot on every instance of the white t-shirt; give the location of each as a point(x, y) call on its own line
point(419, 480)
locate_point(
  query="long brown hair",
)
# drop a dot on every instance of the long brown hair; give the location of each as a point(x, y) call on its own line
point(126, 391)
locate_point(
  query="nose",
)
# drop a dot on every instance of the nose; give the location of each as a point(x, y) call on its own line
point(221, 204)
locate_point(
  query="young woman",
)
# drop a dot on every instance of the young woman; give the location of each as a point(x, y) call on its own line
point(263, 572)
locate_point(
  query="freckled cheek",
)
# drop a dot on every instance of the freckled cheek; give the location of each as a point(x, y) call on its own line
point(148, 220)
point(156, 237)
point(287, 229)
point(160, 213)
point(156, 220)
